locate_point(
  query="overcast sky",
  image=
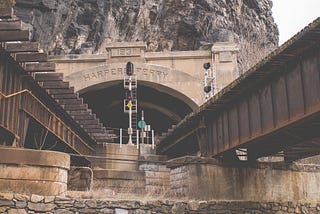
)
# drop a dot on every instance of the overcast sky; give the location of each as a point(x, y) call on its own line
point(292, 16)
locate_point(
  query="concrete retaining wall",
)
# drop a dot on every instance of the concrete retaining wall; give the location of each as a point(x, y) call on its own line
point(206, 179)
point(23, 204)
point(33, 171)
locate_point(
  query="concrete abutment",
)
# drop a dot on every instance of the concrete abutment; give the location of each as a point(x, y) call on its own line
point(206, 179)
point(33, 171)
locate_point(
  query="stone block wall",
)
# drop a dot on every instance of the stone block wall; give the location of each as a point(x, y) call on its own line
point(179, 181)
point(157, 178)
point(23, 204)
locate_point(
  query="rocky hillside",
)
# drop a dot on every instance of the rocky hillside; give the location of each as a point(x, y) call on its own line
point(85, 26)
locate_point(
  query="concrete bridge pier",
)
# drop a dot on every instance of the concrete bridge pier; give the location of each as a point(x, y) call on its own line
point(127, 169)
point(207, 179)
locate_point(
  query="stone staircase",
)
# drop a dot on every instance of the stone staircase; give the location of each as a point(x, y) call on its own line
point(16, 42)
point(74, 105)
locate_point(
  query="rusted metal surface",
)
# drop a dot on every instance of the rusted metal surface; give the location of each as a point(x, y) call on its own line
point(280, 94)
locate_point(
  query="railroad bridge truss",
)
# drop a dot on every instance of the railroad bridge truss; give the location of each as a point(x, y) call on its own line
point(273, 108)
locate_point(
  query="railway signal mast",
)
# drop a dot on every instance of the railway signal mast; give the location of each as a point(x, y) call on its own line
point(130, 101)
point(209, 81)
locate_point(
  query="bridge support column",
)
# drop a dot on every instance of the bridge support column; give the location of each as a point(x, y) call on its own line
point(207, 179)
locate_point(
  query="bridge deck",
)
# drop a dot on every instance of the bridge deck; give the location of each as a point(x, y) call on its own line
point(273, 107)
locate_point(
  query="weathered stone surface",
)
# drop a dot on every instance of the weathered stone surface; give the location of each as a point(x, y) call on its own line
point(21, 197)
point(140, 211)
point(88, 210)
point(17, 211)
point(91, 203)
point(49, 199)
point(84, 27)
point(41, 207)
point(178, 208)
point(61, 198)
point(79, 204)
point(193, 205)
point(106, 211)
point(36, 198)
point(6, 203)
point(6, 196)
point(63, 211)
point(121, 211)
point(21, 204)
point(3, 209)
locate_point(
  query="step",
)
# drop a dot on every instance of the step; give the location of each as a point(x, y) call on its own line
point(89, 122)
point(70, 101)
point(39, 67)
point(10, 24)
point(42, 77)
point(80, 112)
point(65, 96)
point(90, 131)
point(86, 126)
point(84, 117)
point(70, 107)
point(60, 91)
point(54, 84)
point(21, 47)
point(30, 57)
point(102, 138)
point(23, 35)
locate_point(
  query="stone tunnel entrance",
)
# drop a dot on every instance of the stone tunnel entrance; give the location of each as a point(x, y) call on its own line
point(162, 106)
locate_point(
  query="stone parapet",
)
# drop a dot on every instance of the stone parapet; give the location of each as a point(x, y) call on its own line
point(23, 204)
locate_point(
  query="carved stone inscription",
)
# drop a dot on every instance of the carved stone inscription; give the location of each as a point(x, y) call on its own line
point(119, 52)
point(143, 73)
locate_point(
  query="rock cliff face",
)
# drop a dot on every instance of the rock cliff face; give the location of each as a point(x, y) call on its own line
point(85, 26)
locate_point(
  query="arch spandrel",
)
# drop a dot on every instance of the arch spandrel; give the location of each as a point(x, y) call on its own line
point(93, 78)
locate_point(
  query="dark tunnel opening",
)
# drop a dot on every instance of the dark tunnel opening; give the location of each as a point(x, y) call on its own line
point(161, 108)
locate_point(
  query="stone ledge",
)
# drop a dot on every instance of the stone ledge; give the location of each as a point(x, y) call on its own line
point(19, 156)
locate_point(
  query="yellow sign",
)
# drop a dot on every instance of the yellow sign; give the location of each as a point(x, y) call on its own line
point(129, 104)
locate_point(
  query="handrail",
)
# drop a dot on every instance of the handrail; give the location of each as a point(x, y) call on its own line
point(47, 109)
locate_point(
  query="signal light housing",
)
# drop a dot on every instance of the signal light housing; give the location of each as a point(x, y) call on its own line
point(207, 88)
point(129, 69)
point(206, 65)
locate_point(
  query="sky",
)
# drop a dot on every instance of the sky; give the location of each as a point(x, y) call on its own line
point(291, 16)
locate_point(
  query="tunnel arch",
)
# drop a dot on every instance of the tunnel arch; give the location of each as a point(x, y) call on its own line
point(162, 105)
